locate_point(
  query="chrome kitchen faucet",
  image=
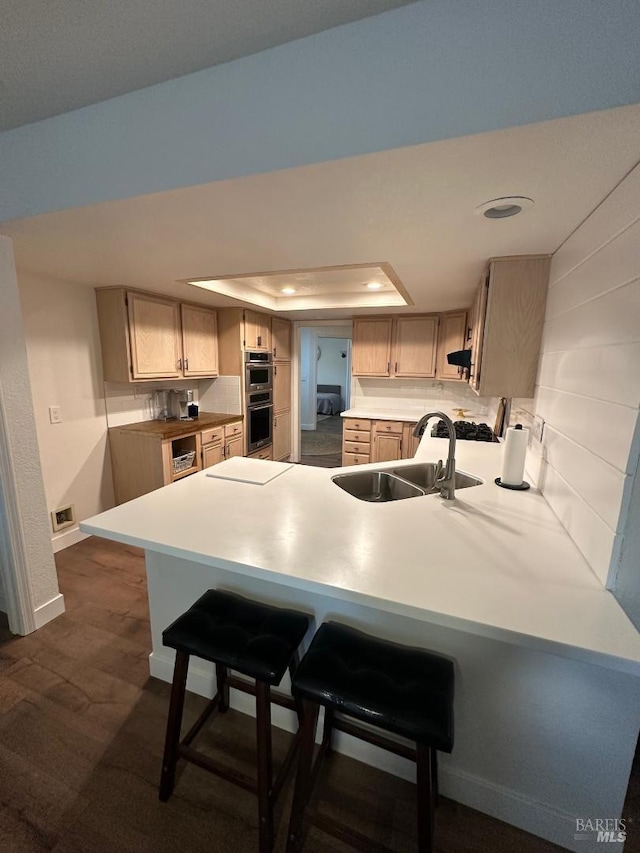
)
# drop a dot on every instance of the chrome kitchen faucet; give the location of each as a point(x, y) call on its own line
point(447, 482)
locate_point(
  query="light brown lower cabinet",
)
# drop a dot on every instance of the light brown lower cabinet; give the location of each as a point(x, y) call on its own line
point(377, 441)
point(282, 436)
point(356, 441)
point(144, 461)
point(263, 453)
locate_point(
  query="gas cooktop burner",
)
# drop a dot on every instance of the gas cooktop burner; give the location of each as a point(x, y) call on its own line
point(465, 431)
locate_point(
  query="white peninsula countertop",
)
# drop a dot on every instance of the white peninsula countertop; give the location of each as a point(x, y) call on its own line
point(493, 562)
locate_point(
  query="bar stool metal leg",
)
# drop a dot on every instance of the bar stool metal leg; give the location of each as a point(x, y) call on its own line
point(174, 724)
point(265, 777)
point(424, 798)
point(303, 777)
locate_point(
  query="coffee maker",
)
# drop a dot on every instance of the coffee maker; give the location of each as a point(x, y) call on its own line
point(182, 400)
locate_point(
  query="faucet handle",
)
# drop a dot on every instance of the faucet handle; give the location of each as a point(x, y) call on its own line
point(439, 470)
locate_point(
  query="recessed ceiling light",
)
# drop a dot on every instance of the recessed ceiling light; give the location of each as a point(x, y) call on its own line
point(374, 285)
point(288, 290)
point(501, 208)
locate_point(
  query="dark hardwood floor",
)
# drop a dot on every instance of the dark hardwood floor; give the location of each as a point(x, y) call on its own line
point(81, 736)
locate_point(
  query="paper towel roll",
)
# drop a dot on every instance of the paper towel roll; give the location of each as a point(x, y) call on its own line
point(515, 450)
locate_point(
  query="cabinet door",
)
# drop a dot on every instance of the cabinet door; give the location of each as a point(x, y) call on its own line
point(211, 454)
point(371, 349)
point(452, 337)
point(282, 436)
point(415, 346)
point(409, 443)
point(154, 325)
point(281, 339)
point(257, 331)
point(477, 338)
point(281, 387)
point(199, 341)
point(234, 446)
point(386, 448)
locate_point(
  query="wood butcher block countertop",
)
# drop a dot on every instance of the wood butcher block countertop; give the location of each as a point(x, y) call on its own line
point(175, 429)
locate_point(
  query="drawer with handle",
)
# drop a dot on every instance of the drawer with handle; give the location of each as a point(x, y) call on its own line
point(362, 424)
point(213, 434)
point(233, 429)
point(355, 458)
point(389, 426)
point(357, 435)
point(362, 448)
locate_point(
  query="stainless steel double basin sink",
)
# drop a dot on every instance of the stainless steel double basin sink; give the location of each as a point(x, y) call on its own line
point(408, 481)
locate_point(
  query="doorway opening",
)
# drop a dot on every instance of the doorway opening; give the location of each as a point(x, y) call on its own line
point(325, 392)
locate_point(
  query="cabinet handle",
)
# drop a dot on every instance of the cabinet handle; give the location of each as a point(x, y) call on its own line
point(275, 369)
point(186, 364)
point(388, 367)
point(274, 352)
point(395, 369)
point(259, 340)
point(179, 364)
point(275, 423)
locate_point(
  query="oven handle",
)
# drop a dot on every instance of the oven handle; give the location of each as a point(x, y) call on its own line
point(261, 406)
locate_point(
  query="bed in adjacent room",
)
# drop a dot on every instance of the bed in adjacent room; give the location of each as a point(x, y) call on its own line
point(329, 399)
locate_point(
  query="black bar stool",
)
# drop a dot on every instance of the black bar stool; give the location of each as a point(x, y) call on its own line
point(254, 639)
point(396, 688)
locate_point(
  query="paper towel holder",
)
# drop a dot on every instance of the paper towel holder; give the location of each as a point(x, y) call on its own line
point(520, 488)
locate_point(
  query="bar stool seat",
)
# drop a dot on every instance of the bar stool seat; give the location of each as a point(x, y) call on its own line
point(400, 689)
point(256, 640)
point(246, 636)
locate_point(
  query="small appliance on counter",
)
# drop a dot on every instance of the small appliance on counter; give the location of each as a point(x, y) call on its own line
point(163, 406)
point(183, 399)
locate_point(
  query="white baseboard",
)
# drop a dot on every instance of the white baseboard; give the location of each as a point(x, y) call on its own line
point(48, 611)
point(68, 538)
point(502, 803)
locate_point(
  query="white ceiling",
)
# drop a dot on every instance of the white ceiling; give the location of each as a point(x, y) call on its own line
point(412, 208)
point(58, 55)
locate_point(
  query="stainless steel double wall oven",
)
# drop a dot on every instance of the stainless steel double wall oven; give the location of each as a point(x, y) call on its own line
point(258, 399)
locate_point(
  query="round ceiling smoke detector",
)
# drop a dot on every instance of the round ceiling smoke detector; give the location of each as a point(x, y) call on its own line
point(501, 208)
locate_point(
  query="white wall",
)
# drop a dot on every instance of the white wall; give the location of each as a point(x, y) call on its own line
point(588, 388)
point(22, 490)
point(434, 70)
point(63, 348)
point(332, 368)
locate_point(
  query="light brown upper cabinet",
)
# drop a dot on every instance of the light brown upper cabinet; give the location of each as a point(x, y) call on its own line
point(508, 317)
point(154, 333)
point(371, 348)
point(395, 346)
point(281, 339)
point(145, 337)
point(199, 341)
point(257, 331)
point(451, 338)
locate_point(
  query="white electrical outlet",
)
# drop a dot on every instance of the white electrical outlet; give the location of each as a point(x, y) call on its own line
point(55, 414)
point(538, 429)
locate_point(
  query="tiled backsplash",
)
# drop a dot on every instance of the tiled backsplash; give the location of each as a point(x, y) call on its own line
point(221, 395)
point(126, 404)
point(423, 394)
